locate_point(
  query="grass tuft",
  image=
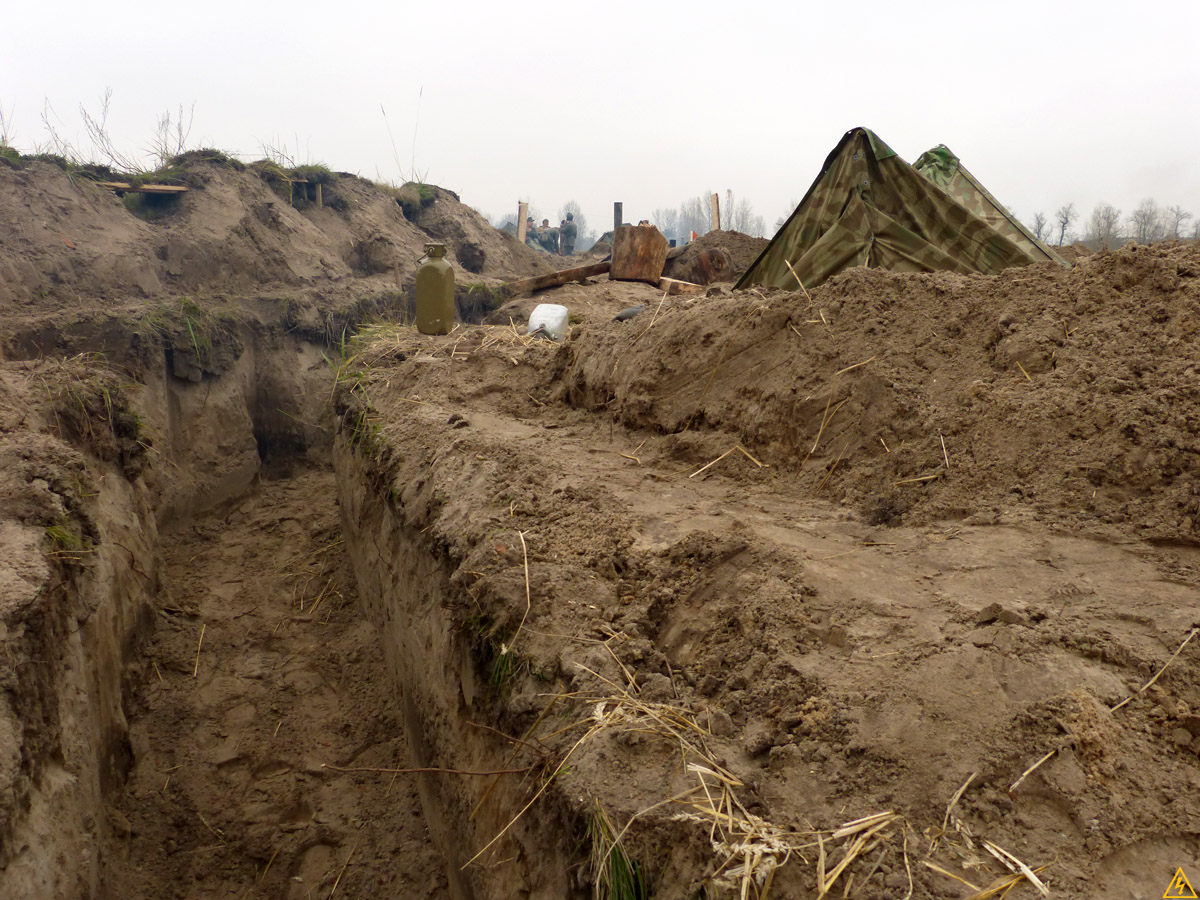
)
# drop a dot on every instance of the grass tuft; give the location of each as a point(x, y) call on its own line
point(614, 875)
point(64, 538)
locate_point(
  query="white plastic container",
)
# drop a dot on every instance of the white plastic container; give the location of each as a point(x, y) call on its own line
point(551, 318)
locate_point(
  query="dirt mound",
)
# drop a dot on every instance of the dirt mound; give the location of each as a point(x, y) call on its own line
point(683, 630)
point(63, 237)
point(1048, 393)
point(477, 245)
point(1073, 252)
point(740, 249)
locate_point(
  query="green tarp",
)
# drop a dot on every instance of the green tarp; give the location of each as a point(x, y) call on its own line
point(945, 170)
point(868, 207)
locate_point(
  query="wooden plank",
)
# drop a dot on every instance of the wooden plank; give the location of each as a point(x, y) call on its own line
point(674, 286)
point(143, 188)
point(639, 253)
point(555, 279)
point(522, 215)
point(716, 212)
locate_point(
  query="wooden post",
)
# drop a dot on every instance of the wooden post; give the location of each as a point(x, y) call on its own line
point(716, 212)
point(522, 214)
point(618, 217)
point(638, 254)
point(319, 195)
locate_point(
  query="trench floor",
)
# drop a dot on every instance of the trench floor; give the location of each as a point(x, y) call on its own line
point(261, 675)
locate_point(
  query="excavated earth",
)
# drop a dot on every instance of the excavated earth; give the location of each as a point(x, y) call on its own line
point(888, 591)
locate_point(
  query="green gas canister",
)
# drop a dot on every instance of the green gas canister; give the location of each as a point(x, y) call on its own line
point(435, 292)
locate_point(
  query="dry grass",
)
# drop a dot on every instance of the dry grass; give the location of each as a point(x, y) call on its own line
point(748, 849)
point(375, 345)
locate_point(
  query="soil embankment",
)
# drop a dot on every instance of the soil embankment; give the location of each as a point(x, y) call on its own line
point(844, 620)
point(753, 591)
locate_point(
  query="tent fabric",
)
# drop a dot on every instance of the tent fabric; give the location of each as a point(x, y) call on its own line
point(869, 207)
point(945, 170)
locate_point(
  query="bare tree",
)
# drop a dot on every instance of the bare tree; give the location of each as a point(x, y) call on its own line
point(1102, 225)
point(1041, 226)
point(1175, 217)
point(1064, 217)
point(695, 215)
point(738, 215)
point(667, 221)
point(1145, 222)
point(782, 220)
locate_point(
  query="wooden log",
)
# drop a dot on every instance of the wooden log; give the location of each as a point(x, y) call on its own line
point(674, 286)
point(554, 279)
point(639, 254)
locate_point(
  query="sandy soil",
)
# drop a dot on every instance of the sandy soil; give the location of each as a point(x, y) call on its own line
point(860, 627)
point(236, 736)
point(67, 244)
point(873, 552)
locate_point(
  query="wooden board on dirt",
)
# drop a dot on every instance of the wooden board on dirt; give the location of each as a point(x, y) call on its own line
point(144, 188)
point(555, 279)
point(639, 253)
point(674, 286)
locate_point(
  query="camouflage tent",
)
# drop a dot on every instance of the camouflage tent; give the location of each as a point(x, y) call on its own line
point(945, 170)
point(868, 207)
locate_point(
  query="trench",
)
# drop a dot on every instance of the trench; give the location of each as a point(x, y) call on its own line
point(230, 716)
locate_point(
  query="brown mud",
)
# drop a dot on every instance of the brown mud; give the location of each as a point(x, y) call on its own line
point(753, 593)
point(239, 736)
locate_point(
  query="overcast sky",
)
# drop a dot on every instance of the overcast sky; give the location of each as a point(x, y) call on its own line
point(646, 103)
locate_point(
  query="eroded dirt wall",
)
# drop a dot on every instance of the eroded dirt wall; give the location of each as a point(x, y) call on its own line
point(69, 628)
point(82, 579)
point(404, 580)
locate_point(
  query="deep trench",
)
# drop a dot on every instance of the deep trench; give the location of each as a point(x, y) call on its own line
point(234, 736)
point(262, 679)
point(249, 674)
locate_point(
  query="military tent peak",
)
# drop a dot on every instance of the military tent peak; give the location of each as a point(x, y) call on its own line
point(946, 170)
point(868, 207)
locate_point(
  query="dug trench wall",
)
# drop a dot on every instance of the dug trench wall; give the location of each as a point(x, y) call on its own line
point(150, 370)
point(406, 580)
point(69, 627)
point(81, 588)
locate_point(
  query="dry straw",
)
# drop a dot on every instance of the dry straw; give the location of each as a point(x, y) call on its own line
point(748, 849)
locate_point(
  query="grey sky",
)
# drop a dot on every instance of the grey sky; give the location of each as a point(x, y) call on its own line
point(640, 102)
